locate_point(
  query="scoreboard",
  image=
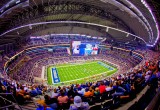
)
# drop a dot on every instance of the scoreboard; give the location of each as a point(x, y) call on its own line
point(84, 48)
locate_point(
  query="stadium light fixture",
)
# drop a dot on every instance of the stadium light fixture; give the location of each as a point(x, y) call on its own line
point(145, 20)
point(128, 10)
point(7, 4)
point(107, 29)
point(153, 17)
point(157, 27)
point(17, 32)
point(30, 26)
point(73, 22)
point(89, 36)
point(83, 35)
point(142, 16)
point(18, 4)
point(127, 35)
point(17, 1)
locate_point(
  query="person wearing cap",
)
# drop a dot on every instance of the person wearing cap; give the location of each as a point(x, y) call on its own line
point(147, 76)
point(78, 104)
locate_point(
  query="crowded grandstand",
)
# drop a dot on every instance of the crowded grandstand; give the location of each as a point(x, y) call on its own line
point(79, 55)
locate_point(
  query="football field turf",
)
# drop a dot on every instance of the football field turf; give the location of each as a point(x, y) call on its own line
point(79, 72)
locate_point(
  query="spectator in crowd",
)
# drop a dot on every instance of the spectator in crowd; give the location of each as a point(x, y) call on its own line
point(2, 88)
point(81, 91)
point(109, 88)
point(40, 107)
point(22, 95)
point(119, 91)
point(78, 104)
point(54, 93)
point(96, 92)
point(51, 102)
point(88, 92)
point(62, 99)
point(158, 75)
point(71, 93)
point(102, 88)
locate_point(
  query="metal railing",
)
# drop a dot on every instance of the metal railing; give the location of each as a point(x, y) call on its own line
point(8, 103)
point(154, 104)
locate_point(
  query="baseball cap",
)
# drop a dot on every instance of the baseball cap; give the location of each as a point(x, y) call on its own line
point(77, 101)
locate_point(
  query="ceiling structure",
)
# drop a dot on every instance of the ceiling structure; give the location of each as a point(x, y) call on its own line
point(127, 21)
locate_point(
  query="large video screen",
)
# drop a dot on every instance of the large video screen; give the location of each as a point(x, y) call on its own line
point(84, 48)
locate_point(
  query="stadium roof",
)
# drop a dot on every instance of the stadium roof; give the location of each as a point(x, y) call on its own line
point(128, 21)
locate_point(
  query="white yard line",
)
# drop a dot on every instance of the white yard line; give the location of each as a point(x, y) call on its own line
point(43, 72)
point(52, 76)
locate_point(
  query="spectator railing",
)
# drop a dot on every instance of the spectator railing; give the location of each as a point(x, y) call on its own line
point(7, 103)
point(131, 103)
point(154, 104)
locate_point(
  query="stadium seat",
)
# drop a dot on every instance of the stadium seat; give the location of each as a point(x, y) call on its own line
point(107, 104)
point(96, 107)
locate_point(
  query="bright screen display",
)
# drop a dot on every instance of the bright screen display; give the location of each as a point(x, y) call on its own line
point(83, 48)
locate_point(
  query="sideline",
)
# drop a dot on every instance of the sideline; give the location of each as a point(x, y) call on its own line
point(75, 64)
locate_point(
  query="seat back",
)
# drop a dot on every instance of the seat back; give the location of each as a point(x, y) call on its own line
point(96, 107)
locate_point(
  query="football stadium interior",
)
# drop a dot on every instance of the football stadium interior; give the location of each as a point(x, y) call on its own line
point(79, 55)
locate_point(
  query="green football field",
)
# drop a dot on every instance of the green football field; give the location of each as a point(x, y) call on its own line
point(78, 72)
